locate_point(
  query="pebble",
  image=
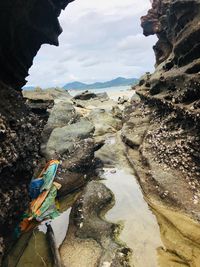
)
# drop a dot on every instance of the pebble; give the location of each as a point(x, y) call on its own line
point(106, 264)
point(99, 195)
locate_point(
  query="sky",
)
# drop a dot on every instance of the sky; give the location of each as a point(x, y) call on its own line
point(101, 40)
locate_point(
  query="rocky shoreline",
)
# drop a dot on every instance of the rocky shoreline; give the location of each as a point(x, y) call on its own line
point(157, 132)
point(85, 141)
point(75, 129)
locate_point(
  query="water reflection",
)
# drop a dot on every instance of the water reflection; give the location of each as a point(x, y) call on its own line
point(180, 235)
point(59, 225)
point(158, 236)
point(141, 231)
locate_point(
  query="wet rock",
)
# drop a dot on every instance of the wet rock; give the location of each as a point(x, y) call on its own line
point(112, 153)
point(108, 155)
point(134, 129)
point(63, 140)
point(104, 122)
point(180, 235)
point(70, 181)
point(36, 253)
point(62, 114)
point(85, 96)
point(81, 159)
point(88, 231)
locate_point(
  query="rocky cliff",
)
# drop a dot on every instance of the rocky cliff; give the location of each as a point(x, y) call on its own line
point(162, 134)
point(25, 26)
point(168, 118)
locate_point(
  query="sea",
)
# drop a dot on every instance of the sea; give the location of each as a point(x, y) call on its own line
point(101, 90)
point(113, 92)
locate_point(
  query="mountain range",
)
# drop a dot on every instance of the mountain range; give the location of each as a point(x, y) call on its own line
point(120, 81)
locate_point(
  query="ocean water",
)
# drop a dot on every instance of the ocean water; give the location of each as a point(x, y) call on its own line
point(101, 90)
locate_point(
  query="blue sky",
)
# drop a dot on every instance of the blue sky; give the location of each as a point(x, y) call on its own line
point(101, 40)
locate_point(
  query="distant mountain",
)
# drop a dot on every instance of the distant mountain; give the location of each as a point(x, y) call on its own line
point(116, 82)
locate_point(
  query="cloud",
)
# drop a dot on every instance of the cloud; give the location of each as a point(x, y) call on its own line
point(101, 40)
point(135, 43)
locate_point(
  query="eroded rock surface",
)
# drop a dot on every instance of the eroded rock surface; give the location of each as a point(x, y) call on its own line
point(63, 140)
point(62, 114)
point(90, 234)
point(105, 122)
point(41, 101)
point(86, 95)
point(25, 26)
point(162, 134)
point(20, 131)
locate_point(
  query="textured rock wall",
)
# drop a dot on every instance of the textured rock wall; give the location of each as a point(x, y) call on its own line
point(170, 145)
point(174, 88)
point(25, 26)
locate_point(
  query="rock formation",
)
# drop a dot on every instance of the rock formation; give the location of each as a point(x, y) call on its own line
point(162, 133)
point(164, 130)
point(25, 26)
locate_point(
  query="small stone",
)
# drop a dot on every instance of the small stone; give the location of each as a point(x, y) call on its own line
point(106, 264)
point(99, 195)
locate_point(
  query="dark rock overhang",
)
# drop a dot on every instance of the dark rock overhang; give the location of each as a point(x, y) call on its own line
point(25, 25)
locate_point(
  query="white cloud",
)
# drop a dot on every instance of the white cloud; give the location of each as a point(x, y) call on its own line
point(101, 40)
point(136, 42)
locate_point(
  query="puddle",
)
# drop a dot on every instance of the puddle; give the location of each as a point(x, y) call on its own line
point(32, 248)
point(59, 225)
point(165, 239)
point(141, 232)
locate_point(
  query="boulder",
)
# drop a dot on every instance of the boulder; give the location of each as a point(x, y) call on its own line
point(63, 140)
point(62, 114)
point(46, 94)
point(41, 101)
point(90, 234)
point(104, 122)
point(99, 100)
point(77, 168)
point(86, 95)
